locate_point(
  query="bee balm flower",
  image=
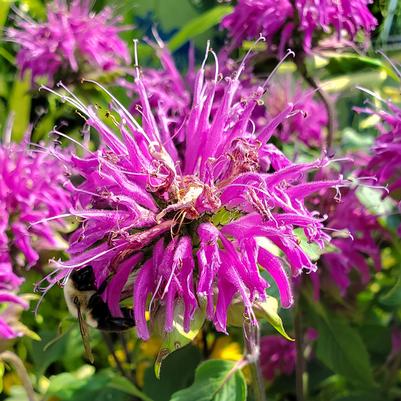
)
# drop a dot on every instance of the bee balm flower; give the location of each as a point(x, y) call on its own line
point(193, 223)
point(31, 191)
point(9, 285)
point(298, 23)
point(385, 163)
point(308, 124)
point(72, 40)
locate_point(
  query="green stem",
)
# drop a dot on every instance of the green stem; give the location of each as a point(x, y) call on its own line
point(258, 387)
point(300, 361)
point(22, 373)
point(301, 67)
point(252, 349)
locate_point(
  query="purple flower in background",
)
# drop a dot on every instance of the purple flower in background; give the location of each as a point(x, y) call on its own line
point(277, 356)
point(31, 191)
point(9, 285)
point(309, 118)
point(298, 24)
point(171, 93)
point(72, 39)
point(168, 91)
point(385, 163)
point(190, 228)
point(357, 237)
point(353, 251)
point(170, 96)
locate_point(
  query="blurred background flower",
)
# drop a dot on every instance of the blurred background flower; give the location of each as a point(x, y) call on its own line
point(299, 24)
point(72, 41)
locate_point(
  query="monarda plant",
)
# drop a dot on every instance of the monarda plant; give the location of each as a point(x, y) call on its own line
point(73, 40)
point(186, 229)
point(32, 193)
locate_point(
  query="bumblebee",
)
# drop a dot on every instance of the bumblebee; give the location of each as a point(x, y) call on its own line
point(84, 302)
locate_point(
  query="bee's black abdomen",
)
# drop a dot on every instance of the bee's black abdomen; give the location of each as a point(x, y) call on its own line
point(105, 320)
point(116, 324)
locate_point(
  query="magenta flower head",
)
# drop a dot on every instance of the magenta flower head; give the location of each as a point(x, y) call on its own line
point(189, 227)
point(385, 163)
point(9, 301)
point(357, 235)
point(277, 356)
point(168, 91)
point(71, 41)
point(358, 244)
point(309, 119)
point(297, 24)
point(31, 192)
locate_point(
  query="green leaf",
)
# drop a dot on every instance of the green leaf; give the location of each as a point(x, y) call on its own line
point(20, 106)
point(312, 249)
point(263, 310)
point(126, 386)
point(215, 380)
point(7, 55)
point(64, 385)
point(224, 216)
point(178, 338)
point(347, 63)
point(393, 297)
point(17, 393)
point(4, 8)
point(169, 382)
point(26, 331)
point(2, 370)
point(198, 26)
point(269, 310)
point(362, 396)
point(55, 347)
point(83, 385)
point(341, 348)
point(372, 200)
point(35, 8)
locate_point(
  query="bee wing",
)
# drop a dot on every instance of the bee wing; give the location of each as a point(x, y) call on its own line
point(83, 328)
point(129, 285)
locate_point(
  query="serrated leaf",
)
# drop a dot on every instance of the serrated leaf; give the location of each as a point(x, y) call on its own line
point(178, 338)
point(269, 310)
point(215, 380)
point(198, 26)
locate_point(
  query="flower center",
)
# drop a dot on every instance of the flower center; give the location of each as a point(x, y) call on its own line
point(185, 196)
